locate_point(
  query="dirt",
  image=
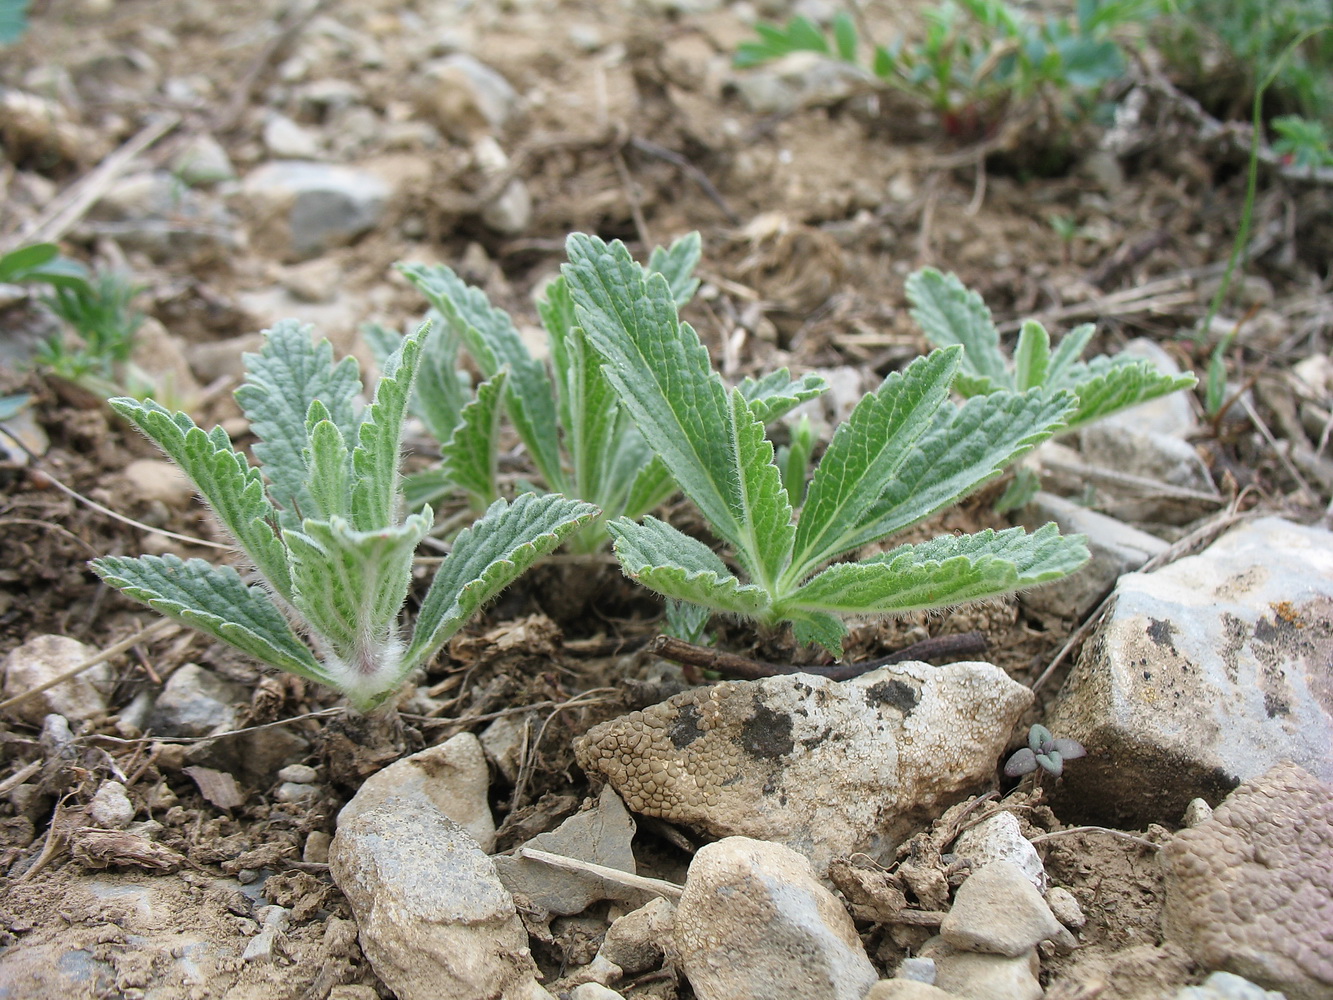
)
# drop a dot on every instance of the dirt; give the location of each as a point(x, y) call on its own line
point(811, 221)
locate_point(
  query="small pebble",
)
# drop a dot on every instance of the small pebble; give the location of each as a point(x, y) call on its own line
point(111, 808)
point(295, 791)
point(301, 774)
point(316, 851)
point(1065, 907)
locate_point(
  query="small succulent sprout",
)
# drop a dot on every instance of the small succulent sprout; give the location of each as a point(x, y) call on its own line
point(1044, 751)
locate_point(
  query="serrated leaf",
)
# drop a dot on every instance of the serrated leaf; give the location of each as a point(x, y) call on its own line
point(379, 438)
point(486, 558)
point(662, 375)
point(329, 462)
point(673, 564)
point(494, 343)
point(469, 455)
point(965, 448)
point(948, 313)
point(794, 460)
point(1066, 355)
point(777, 393)
point(865, 455)
point(214, 600)
point(1108, 385)
point(350, 585)
point(818, 628)
point(676, 263)
point(227, 482)
point(429, 486)
point(1032, 356)
point(650, 488)
point(941, 572)
point(441, 389)
point(281, 382)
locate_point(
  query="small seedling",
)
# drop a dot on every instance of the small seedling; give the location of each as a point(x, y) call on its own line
point(575, 430)
point(320, 519)
point(905, 452)
point(1301, 142)
point(1043, 751)
point(949, 313)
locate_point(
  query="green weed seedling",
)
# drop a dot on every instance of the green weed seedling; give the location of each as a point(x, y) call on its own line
point(1043, 751)
point(905, 452)
point(320, 520)
point(575, 430)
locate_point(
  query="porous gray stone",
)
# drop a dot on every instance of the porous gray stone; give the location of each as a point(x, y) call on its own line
point(978, 976)
point(1225, 986)
point(826, 768)
point(754, 923)
point(1117, 444)
point(111, 807)
point(998, 911)
point(451, 778)
point(43, 658)
point(906, 989)
point(300, 209)
point(1000, 838)
point(1204, 673)
point(464, 97)
point(195, 702)
point(434, 920)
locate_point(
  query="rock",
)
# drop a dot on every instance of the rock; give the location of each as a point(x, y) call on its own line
point(195, 702)
point(111, 808)
point(503, 742)
point(435, 922)
point(451, 779)
point(217, 359)
point(594, 991)
point(999, 838)
point(286, 140)
point(300, 773)
point(754, 922)
point(637, 942)
point(316, 849)
point(600, 835)
point(296, 791)
point(314, 280)
point(826, 768)
point(1225, 986)
point(300, 209)
point(202, 161)
point(798, 80)
point(906, 989)
point(149, 479)
point(160, 355)
point(30, 435)
point(1250, 890)
point(1065, 907)
point(1204, 673)
point(155, 214)
point(1117, 548)
point(921, 970)
point(266, 946)
point(998, 911)
point(43, 658)
point(1121, 446)
point(510, 213)
point(978, 976)
point(464, 97)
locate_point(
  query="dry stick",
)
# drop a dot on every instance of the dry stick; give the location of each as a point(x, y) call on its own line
point(679, 651)
point(106, 654)
point(67, 208)
point(58, 528)
point(691, 171)
point(1146, 487)
point(529, 765)
point(1094, 829)
point(660, 887)
point(1277, 450)
point(323, 713)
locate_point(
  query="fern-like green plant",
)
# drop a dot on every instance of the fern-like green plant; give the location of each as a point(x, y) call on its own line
point(905, 452)
point(321, 520)
point(577, 434)
point(949, 314)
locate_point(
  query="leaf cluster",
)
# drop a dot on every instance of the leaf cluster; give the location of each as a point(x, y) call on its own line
point(1044, 751)
point(905, 452)
point(321, 520)
point(950, 314)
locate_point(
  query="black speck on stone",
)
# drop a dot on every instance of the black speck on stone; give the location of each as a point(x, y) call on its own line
point(767, 733)
point(901, 696)
point(1161, 631)
point(685, 730)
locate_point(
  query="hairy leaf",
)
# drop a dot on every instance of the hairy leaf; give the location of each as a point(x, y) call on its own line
point(1109, 385)
point(494, 343)
point(226, 481)
point(951, 314)
point(486, 558)
point(676, 263)
point(1032, 356)
point(214, 600)
point(328, 459)
point(441, 389)
point(281, 382)
point(777, 394)
point(469, 455)
point(375, 493)
point(675, 565)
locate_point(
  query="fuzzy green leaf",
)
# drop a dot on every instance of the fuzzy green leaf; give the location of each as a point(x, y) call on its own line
point(227, 482)
point(651, 486)
point(429, 486)
point(777, 394)
point(486, 558)
point(1032, 356)
point(1066, 355)
point(676, 263)
point(944, 571)
point(1108, 385)
point(281, 382)
point(494, 343)
point(350, 585)
point(675, 565)
point(966, 447)
point(864, 457)
point(375, 492)
point(441, 389)
point(949, 313)
point(214, 600)
point(469, 455)
point(329, 481)
point(712, 445)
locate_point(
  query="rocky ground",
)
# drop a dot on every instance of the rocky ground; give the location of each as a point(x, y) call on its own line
point(167, 817)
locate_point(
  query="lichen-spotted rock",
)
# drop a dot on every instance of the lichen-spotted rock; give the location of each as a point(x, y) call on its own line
point(825, 767)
